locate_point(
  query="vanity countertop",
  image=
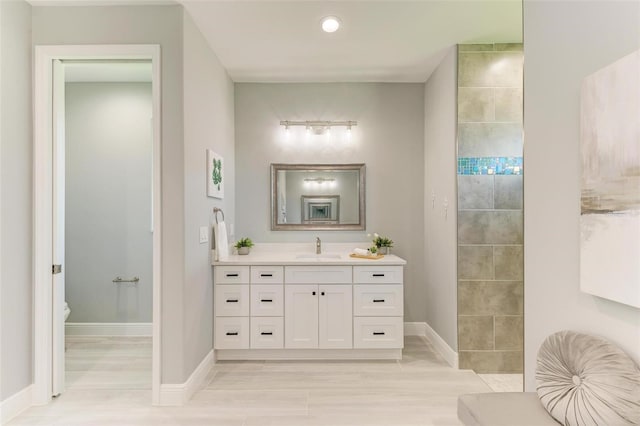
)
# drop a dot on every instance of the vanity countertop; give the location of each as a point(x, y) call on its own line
point(288, 258)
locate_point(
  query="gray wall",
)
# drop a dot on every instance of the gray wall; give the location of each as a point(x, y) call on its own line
point(440, 230)
point(208, 124)
point(108, 201)
point(562, 46)
point(15, 198)
point(389, 138)
point(490, 288)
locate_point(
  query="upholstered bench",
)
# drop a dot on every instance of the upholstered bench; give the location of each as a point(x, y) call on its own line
point(580, 380)
point(503, 409)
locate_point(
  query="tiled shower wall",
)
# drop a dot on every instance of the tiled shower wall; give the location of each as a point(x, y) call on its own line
point(490, 222)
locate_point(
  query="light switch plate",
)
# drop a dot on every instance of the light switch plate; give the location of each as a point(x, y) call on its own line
point(204, 234)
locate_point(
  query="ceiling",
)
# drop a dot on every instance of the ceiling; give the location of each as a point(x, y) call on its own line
point(382, 41)
point(379, 41)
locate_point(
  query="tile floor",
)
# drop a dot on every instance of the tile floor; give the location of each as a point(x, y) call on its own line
point(421, 389)
point(503, 382)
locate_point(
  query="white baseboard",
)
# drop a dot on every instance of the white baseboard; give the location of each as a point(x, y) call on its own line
point(179, 394)
point(441, 346)
point(107, 329)
point(415, 329)
point(15, 404)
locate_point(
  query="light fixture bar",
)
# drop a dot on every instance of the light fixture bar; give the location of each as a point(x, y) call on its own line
point(319, 180)
point(348, 123)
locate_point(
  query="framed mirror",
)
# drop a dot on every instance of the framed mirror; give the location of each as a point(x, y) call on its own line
point(317, 197)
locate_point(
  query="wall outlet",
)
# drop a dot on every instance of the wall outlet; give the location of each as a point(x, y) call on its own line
point(204, 234)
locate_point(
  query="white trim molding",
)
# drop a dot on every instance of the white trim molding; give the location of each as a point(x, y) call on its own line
point(11, 407)
point(43, 202)
point(442, 347)
point(415, 329)
point(180, 394)
point(108, 329)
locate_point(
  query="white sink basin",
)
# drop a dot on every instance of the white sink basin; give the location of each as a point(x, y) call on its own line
point(325, 256)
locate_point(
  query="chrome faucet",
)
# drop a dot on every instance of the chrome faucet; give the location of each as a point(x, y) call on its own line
point(318, 245)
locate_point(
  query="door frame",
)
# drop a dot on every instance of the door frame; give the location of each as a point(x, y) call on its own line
point(43, 202)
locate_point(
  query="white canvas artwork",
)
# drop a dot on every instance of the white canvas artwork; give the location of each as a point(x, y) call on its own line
point(610, 196)
point(215, 175)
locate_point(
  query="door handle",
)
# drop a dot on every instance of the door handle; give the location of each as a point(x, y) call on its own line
point(56, 269)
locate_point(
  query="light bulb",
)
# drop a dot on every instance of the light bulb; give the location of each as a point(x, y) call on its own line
point(330, 24)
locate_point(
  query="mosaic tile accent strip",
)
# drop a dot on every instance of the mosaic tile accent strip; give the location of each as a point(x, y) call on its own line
point(490, 165)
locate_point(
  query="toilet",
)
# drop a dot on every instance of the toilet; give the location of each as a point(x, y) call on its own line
point(67, 311)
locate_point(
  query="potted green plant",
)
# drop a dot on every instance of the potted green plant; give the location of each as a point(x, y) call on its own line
point(383, 244)
point(243, 245)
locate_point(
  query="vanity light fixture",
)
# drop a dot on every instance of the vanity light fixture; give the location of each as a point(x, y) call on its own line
point(319, 180)
point(330, 24)
point(319, 127)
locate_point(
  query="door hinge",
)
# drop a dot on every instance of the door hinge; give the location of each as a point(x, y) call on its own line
point(56, 269)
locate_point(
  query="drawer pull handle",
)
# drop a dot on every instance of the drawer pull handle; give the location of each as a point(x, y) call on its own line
point(232, 300)
point(266, 275)
point(378, 333)
point(232, 275)
point(378, 275)
point(266, 300)
point(378, 300)
point(267, 333)
point(232, 333)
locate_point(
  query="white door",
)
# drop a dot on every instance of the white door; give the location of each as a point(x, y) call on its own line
point(336, 317)
point(301, 316)
point(57, 322)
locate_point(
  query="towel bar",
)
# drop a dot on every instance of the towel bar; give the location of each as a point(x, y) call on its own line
point(215, 212)
point(122, 280)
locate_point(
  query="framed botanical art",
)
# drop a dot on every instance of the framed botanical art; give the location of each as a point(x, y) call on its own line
point(215, 175)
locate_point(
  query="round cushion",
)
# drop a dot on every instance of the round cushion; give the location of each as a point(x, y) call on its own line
point(585, 380)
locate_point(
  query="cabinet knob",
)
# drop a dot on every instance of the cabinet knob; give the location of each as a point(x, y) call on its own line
point(313, 293)
point(322, 294)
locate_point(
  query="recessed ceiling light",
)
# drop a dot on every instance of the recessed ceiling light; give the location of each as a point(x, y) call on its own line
point(330, 24)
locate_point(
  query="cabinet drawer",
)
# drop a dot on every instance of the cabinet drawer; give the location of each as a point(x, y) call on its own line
point(232, 333)
point(267, 300)
point(378, 300)
point(231, 274)
point(318, 274)
point(378, 332)
point(267, 332)
point(232, 300)
point(377, 274)
point(267, 275)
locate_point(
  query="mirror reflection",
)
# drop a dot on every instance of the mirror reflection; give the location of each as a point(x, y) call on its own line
point(317, 196)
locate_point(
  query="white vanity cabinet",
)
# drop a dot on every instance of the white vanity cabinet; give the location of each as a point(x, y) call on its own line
point(318, 316)
point(297, 310)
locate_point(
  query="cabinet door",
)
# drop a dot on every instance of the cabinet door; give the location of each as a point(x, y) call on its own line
point(301, 316)
point(336, 317)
